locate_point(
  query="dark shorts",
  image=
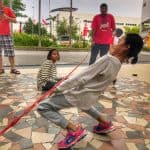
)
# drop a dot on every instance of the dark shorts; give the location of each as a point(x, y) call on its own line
point(6, 43)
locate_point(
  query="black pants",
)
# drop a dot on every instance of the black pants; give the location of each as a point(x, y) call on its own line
point(48, 85)
point(102, 49)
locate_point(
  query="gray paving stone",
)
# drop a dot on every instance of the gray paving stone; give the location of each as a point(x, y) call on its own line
point(87, 120)
point(148, 125)
point(13, 136)
point(4, 112)
point(16, 103)
point(1, 99)
point(89, 147)
point(31, 121)
point(32, 114)
point(3, 143)
point(133, 114)
point(25, 143)
point(2, 127)
point(18, 113)
point(141, 147)
point(21, 124)
point(134, 134)
point(53, 130)
point(41, 122)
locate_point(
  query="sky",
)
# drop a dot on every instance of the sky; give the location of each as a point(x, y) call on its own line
point(124, 8)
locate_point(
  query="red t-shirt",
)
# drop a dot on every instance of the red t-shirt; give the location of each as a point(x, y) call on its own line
point(103, 27)
point(4, 24)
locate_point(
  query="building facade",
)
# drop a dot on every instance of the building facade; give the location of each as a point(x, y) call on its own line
point(145, 21)
point(83, 19)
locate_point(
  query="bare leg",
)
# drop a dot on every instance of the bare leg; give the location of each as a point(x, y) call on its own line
point(102, 119)
point(12, 62)
point(1, 62)
point(72, 127)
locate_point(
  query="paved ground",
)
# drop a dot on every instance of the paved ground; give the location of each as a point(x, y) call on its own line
point(128, 104)
point(35, 58)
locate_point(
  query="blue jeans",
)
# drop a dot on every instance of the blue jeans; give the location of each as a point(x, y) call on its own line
point(102, 49)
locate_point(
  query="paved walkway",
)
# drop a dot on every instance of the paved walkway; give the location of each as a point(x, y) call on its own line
point(35, 58)
point(128, 104)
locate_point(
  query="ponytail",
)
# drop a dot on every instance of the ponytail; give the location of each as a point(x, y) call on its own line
point(134, 60)
point(135, 43)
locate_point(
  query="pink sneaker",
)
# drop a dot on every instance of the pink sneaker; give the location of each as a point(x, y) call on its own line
point(103, 128)
point(72, 138)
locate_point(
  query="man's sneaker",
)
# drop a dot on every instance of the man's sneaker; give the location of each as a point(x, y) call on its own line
point(72, 138)
point(103, 128)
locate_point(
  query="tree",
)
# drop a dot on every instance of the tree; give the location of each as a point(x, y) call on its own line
point(32, 28)
point(62, 28)
point(17, 6)
point(135, 29)
point(28, 27)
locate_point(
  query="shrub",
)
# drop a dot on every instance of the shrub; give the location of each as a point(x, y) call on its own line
point(146, 49)
point(45, 42)
point(23, 39)
point(81, 44)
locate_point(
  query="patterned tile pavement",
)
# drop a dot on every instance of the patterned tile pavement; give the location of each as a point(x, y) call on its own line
point(128, 105)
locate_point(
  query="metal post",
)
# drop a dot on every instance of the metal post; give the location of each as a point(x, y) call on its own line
point(50, 23)
point(33, 20)
point(70, 23)
point(39, 25)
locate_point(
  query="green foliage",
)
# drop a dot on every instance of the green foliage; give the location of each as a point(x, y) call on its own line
point(146, 26)
point(81, 44)
point(31, 28)
point(135, 29)
point(146, 49)
point(23, 39)
point(63, 28)
point(27, 28)
point(74, 30)
point(17, 6)
point(45, 42)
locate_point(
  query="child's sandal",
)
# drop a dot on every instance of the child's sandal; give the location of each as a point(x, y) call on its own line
point(2, 71)
point(15, 71)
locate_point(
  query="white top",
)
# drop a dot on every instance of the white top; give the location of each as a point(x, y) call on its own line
point(84, 89)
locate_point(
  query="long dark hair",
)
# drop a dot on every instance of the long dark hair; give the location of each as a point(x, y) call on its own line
point(135, 43)
point(50, 54)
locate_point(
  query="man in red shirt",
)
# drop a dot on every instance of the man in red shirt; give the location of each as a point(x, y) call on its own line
point(6, 16)
point(103, 26)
